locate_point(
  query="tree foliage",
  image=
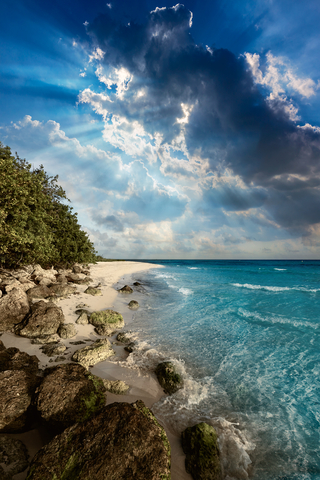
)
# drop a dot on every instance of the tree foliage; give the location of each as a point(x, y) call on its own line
point(35, 226)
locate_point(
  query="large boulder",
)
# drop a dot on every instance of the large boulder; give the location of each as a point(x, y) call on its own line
point(200, 444)
point(12, 359)
point(122, 442)
point(41, 291)
point(62, 289)
point(17, 388)
point(13, 457)
point(94, 353)
point(44, 319)
point(69, 394)
point(109, 320)
point(14, 306)
point(169, 379)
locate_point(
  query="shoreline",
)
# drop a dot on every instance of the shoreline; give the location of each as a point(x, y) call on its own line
point(143, 385)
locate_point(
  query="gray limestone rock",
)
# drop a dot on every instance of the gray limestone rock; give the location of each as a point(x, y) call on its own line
point(133, 305)
point(93, 291)
point(122, 442)
point(62, 289)
point(116, 386)
point(44, 319)
point(83, 319)
point(52, 350)
point(14, 306)
point(45, 339)
point(41, 291)
point(106, 321)
point(94, 353)
point(67, 330)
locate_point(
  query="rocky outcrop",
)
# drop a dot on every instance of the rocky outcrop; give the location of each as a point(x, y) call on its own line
point(18, 381)
point(133, 305)
point(44, 319)
point(93, 291)
point(122, 337)
point(200, 445)
point(115, 386)
point(42, 291)
point(46, 339)
point(62, 289)
point(67, 330)
point(13, 457)
point(106, 321)
point(95, 353)
point(14, 306)
point(168, 378)
point(125, 289)
point(69, 394)
point(52, 350)
point(122, 442)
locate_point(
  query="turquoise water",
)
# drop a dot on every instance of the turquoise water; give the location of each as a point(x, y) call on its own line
point(245, 336)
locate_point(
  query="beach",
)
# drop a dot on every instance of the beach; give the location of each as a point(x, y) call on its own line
point(143, 385)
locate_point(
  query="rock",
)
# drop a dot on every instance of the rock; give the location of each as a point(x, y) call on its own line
point(14, 306)
point(78, 342)
point(129, 348)
point(68, 394)
point(61, 289)
point(67, 330)
point(82, 305)
point(95, 353)
point(60, 359)
point(1, 293)
point(13, 457)
point(121, 337)
point(125, 289)
point(41, 291)
point(52, 350)
point(79, 311)
point(16, 390)
point(83, 319)
point(200, 445)
point(122, 442)
point(106, 321)
point(133, 305)
point(38, 270)
point(168, 378)
point(46, 339)
point(77, 269)
point(12, 359)
point(61, 279)
point(73, 277)
point(117, 386)
point(136, 284)
point(46, 281)
point(11, 283)
point(44, 319)
point(93, 291)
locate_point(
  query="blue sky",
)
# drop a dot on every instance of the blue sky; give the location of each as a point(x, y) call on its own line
point(177, 130)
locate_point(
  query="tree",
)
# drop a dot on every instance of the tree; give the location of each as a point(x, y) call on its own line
point(35, 226)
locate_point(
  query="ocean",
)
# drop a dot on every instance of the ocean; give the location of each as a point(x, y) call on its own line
point(245, 337)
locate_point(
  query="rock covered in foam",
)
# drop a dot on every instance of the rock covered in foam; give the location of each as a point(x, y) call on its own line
point(69, 394)
point(169, 379)
point(124, 441)
point(200, 444)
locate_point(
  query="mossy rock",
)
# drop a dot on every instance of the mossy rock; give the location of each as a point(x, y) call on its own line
point(93, 291)
point(106, 321)
point(95, 353)
point(168, 378)
point(133, 305)
point(200, 444)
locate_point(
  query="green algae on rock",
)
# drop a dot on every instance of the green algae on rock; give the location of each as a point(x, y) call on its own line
point(200, 444)
point(122, 441)
point(93, 291)
point(108, 319)
point(168, 378)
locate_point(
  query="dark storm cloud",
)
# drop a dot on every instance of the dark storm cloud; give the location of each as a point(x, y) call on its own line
point(231, 123)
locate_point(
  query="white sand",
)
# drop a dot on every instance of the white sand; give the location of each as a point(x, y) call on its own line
point(142, 386)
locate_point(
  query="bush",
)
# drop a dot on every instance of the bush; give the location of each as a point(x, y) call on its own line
point(35, 226)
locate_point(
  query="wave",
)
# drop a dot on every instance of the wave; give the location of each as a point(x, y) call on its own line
point(278, 320)
point(274, 289)
point(185, 291)
point(280, 269)
point(183, 408)
point(193, 268)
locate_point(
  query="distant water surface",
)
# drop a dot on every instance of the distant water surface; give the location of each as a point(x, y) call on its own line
point(245, 335)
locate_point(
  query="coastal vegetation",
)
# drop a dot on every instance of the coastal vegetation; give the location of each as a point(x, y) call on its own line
point(36, 224)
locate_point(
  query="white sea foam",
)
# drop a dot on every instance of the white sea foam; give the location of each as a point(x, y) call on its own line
point(193, 268)
point(185, 291)
point(281, 269)
point(274, 289)
point(278, 319)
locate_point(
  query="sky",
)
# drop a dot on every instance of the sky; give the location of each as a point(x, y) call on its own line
point(177, 130)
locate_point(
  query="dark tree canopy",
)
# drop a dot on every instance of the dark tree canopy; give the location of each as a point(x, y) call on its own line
point(35, 226)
